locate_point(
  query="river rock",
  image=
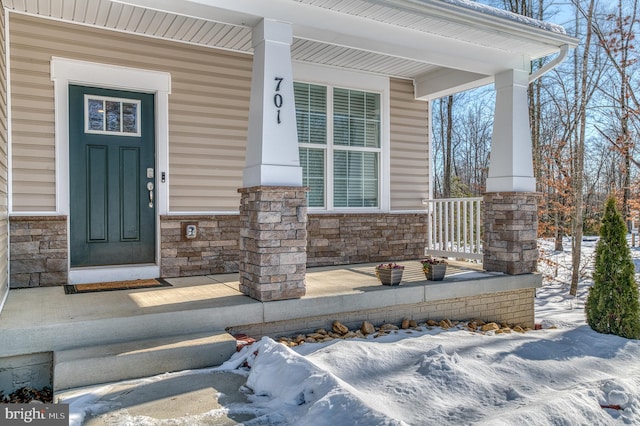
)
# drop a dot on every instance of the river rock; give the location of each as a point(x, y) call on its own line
point(490, 327)
point(367, 328)
point(339, 328)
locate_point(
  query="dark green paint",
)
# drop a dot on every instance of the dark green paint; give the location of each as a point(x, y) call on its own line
point(111, 222)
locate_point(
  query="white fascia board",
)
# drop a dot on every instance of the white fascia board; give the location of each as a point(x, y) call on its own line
point(487, 21)
point(445, 81)
point(327, 26)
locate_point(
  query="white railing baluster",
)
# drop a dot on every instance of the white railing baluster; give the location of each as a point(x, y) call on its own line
point(465, 227)
point(454, 228)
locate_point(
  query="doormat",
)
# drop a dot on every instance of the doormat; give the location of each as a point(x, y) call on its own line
point(115, 285)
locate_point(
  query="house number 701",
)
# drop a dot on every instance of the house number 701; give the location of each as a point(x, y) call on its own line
point(277, 98)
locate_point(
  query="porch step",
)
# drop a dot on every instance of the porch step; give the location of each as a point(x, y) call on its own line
point(79, 367)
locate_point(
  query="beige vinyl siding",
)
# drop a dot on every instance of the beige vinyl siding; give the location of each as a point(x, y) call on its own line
point(208, 110)
point(4, 255)
point(409, 147)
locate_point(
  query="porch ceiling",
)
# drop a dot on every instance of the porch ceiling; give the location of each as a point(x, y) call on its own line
point(399, 38)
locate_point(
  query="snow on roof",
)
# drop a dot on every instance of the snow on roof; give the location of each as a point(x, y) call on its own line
point(492, 11)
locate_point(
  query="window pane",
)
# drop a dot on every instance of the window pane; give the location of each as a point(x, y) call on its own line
point(370, 191)
point(129, 117)
point(373, 106)
point(302, 123)
point(318, 128)
point(311, 112)
point(372, 134)
point(370, 179)
point(313, 175)
point(356, 104)
point(301, 96)
point(340, 164)
point(370, 165)
point(113, 116)
point(341, 102)
point(341, 130)
point(340, 194)
point(317, 98)
point(355, 179)
point(356, 132)
point(356, 118)
point(96, 114)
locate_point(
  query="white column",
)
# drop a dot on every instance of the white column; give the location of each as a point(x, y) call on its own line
point(511, 162)
point(272, 157)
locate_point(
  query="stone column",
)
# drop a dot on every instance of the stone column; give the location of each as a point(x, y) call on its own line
point(273, 242)
point(273, 206)
point(511, 232)
point(511, 203)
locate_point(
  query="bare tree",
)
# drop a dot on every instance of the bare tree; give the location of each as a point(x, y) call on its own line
point(578, 160)
point(616, 36)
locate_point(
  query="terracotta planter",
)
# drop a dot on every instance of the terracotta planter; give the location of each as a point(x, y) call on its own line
point(436, 272)
point(389, 276)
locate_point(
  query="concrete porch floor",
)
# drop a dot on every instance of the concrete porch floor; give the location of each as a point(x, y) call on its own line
point(46, 319)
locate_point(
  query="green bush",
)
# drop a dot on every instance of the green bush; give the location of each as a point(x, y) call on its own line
point(612, 305)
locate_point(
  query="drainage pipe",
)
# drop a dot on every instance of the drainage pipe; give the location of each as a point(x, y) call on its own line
point(564, 51)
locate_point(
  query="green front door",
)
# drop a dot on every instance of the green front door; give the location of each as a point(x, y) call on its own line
point(112, 177)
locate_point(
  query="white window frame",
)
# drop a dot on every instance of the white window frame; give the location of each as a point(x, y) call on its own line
point(121, 101)
point(352, 80)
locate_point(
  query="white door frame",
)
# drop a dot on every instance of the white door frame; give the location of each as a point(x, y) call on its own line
point(70, 71)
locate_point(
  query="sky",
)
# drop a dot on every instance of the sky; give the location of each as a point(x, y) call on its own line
point(562, 374)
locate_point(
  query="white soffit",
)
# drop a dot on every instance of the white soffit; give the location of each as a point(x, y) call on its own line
point(375, 36)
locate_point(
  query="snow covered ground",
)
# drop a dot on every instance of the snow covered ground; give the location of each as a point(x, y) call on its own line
point(564, 374)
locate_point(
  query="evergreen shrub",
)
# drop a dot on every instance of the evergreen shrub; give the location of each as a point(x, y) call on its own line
point(613, 305)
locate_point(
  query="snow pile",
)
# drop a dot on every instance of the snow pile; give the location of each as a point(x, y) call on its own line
point(457, 377)
point(563, 374)
point(296, 391)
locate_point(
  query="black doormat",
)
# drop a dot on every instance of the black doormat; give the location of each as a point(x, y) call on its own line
point(115, 285)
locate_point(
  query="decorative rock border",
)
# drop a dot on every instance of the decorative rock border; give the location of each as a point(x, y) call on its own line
point(340, 331)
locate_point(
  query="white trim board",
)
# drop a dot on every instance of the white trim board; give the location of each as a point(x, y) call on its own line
point(69, 71)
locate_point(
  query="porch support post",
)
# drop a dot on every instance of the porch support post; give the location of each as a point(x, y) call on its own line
point(272, 140)
point(273, 206)
point(511, 203)
point(511, 164)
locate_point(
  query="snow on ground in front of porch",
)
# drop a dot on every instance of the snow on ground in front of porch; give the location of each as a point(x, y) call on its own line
point(563, 375)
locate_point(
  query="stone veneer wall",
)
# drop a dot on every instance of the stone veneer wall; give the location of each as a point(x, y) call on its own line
point(511, 232)
point(39, 244)
point(339, 239)
point(213, 251)
point(38, 251)
point(333, 239)
point(512, 307)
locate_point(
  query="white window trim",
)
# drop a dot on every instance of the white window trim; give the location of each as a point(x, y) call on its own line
point(104, 99)
point(333, 77)
point(69, 71)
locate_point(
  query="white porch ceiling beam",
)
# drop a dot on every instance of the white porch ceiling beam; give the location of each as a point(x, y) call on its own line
point(445, 81)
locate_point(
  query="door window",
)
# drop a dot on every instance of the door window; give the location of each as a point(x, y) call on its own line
point(112, 116)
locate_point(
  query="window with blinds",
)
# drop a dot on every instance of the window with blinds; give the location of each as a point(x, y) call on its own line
point(311, 117)
point(346, 158)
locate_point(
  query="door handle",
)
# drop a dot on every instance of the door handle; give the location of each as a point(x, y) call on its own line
point(150, 188)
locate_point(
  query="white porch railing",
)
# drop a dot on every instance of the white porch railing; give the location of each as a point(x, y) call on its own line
point(454, 228)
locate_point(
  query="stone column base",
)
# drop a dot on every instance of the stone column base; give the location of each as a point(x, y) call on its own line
point(273, 242)
point(511, 232)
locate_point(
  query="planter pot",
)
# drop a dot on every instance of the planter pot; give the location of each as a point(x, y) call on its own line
point(436, 272)
point(389, 276)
